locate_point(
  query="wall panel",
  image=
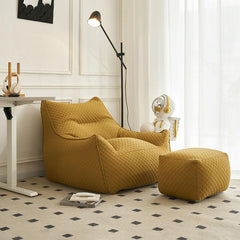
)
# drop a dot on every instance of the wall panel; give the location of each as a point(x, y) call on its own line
point(39, 47)
point(95, 60)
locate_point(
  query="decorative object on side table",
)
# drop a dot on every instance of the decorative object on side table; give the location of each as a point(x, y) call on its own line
point(163, 107)
point(10, 88)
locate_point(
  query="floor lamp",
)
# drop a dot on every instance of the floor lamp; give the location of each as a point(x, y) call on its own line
point(95, 21)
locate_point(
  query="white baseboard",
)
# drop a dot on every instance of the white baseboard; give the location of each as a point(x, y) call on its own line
point(27, 167)
point(235, 174)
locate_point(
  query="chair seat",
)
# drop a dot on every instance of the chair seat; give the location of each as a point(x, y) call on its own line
point(126, 144)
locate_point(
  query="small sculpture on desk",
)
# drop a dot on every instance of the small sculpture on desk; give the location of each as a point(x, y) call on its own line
point(12, 89)
point(163, 108)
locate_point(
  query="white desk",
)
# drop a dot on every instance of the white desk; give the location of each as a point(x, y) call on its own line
point(11, 102)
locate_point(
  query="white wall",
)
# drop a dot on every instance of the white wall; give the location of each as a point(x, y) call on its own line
point(67, 59)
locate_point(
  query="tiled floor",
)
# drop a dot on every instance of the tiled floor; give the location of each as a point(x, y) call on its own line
point(141, 213)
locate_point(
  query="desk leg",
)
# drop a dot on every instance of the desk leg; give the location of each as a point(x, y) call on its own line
point(11, 184)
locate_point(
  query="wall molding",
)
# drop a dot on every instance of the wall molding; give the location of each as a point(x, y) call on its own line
point(24, 160)
point(58, 86)
point(81, 100)
point(70, 47)
point(65, 100)
point(27, 167)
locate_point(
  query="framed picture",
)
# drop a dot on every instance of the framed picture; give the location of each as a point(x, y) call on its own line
point(41, 11)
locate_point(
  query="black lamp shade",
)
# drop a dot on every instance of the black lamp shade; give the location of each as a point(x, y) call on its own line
point(95, 19)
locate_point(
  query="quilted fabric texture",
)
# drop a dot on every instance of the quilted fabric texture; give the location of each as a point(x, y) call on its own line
point(85, 148)
point(194, 173)
point(81, 120)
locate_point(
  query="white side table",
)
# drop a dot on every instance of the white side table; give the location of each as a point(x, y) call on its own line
point(10, 102)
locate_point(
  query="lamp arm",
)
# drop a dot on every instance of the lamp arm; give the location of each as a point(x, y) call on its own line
point(119, 55)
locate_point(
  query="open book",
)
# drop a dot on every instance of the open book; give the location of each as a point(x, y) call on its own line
point(82, 200)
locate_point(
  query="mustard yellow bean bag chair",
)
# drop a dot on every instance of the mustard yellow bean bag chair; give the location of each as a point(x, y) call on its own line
point(85, 148)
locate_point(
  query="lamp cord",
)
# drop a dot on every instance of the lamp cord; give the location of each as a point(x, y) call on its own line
point(126, 101)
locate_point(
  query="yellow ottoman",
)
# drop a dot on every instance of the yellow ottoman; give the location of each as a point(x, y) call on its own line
point(194, 173)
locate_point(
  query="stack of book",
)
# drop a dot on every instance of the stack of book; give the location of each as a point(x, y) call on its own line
point(82, 200)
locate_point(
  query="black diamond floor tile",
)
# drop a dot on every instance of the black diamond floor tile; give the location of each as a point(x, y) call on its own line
point(233, 211)
point(75, 218)
point(197, 213)
point(155, 194)
point(156, 215)
point(3, 209)
point(32, 220)
point(136, 237)
point(136, 222)
point(58, 213)
point(118, 205)
point(136, 210)
point(17, 238)
point(177, 221)
point(51, 198)
point(17, 215)
point(49, 226)
point(42, 208)
point(93, 224)
point(155, 203)
point(15, 199)
point(157, 229)
point(67, 235)
point(113, 230)
point(211, 206)
point(98, 211)
point(116, 217)
point(4, 228)
point(201, 227)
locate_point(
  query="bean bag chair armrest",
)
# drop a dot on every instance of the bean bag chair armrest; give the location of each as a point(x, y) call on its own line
point(157, 139)
point(79, 159)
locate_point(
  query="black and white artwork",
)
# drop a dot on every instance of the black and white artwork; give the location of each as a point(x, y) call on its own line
point(36, 10)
